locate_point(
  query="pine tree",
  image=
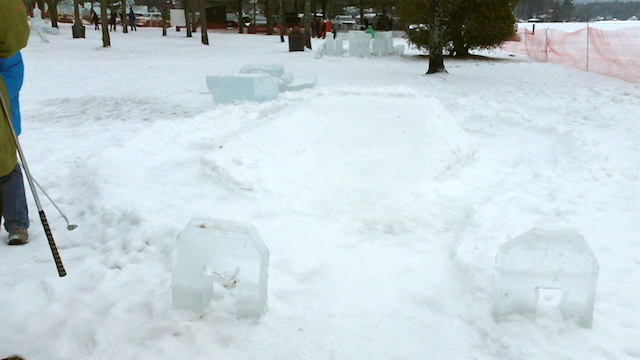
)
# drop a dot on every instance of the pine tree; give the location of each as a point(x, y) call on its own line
point(468, 24)
point(480, 24)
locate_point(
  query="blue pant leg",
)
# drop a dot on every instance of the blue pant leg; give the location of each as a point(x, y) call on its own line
point(12, 72)
point(14, 201)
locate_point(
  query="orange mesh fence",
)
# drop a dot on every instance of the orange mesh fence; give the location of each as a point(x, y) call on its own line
point(568, 48)
point(610, 52)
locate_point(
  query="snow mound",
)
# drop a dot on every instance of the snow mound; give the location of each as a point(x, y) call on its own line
point(333, 143)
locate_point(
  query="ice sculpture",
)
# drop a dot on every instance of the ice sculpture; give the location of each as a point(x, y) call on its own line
point(231, 254)
point(546, 273)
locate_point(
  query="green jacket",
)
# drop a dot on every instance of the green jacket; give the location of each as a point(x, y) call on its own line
point(14, 33)
point(8, 159)
point(14, 29)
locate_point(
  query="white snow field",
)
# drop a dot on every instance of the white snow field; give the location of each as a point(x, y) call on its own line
point(382, 194)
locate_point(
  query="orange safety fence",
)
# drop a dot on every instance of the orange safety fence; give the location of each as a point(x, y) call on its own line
point(609, 52)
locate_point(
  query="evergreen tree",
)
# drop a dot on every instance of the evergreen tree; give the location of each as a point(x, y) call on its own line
point(480, 24)
point(468, 24)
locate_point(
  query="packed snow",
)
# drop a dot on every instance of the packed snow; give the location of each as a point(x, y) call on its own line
point(382, 194)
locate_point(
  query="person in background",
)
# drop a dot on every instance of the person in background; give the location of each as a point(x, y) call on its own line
point(132, 19)
point(94, 19)
point(14, 34)
point(113, 20)
point(328, 29)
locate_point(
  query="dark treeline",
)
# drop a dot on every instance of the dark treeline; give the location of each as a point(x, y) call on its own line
point(607, 10)
point(566, 10)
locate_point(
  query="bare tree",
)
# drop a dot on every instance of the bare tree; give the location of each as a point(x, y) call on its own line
point(106, 40)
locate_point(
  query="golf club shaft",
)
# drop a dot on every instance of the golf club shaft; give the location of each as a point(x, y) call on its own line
point(69, 226)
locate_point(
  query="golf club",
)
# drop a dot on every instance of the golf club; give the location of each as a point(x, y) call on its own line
point(43, 217)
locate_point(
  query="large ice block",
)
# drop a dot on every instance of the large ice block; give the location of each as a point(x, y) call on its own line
point(212, 251)
point(330, 46)
point(359, 44)
point(383, 43)
point(258, 87)
point(339, 50)
point(546, 273)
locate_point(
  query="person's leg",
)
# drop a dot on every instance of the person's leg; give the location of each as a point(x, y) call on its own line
point(14, 201)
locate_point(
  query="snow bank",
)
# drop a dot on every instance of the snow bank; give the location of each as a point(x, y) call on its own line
point(341, 148)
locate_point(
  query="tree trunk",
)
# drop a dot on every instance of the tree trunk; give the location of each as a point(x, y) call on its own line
point(53, 12)
point(267, 7)
point(106, 41)
point(281, 24)
point(76, 14)
point(461, 51)
point(77, 28)
point(194, 20)
point(436, 59)
point(165, 16)
point(203, 24)
point(307, 23)
point(41, 7)
point(240, 18)
point(458, 40)
point(124, 16)
point(187, 15)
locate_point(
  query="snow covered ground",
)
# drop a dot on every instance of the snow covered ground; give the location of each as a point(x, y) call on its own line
point(382, 194)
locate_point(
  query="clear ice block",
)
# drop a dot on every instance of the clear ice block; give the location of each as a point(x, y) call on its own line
point(546, 273)
point(383, 43)
point(359, 44)
point(330, 45)
point(231, 254)
point(243, 87)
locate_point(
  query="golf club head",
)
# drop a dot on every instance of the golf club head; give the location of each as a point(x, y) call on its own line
point(71, 227)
